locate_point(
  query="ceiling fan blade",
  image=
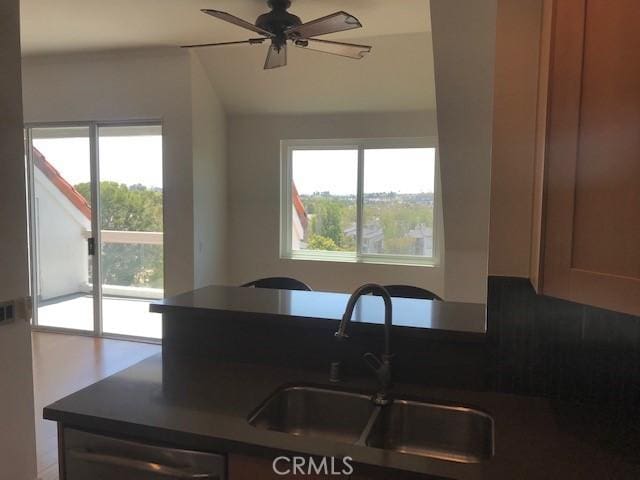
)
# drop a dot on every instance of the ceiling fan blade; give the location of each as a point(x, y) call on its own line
point(251, 41)
point(335, 48)
point(227, 17)
point(336, 22)
point(276, 58)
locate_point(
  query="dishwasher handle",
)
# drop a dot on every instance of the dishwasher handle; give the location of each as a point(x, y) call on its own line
point(141, 465)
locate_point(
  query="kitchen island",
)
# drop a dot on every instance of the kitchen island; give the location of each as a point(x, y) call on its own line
point(201, 405)
point(226, 350)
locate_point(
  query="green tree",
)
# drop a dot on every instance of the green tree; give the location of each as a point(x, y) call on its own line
point(135, 209)
point(318, 242)
point(331, 225)
point(327, 217)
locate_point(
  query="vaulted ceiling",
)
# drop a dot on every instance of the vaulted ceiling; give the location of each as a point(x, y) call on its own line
point(50, 26)
point(396, 76)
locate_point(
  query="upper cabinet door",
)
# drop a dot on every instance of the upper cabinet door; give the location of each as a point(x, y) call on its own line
point(592, 212)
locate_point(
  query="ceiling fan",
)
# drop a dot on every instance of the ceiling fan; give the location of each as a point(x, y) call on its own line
point(279, 26)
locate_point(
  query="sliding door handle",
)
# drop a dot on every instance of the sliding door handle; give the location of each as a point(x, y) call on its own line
point(91, 245)
point(141, 465)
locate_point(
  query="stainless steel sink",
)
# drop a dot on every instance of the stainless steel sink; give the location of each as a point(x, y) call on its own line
point(453, 433)
point(315, 412)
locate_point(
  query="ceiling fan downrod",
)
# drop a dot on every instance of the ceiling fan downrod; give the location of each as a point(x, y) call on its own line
point(279, 4)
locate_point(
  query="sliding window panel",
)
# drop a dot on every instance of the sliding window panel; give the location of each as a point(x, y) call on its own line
point(131, 220)
point(61, 222)
point(324, 200)
point(399, 202)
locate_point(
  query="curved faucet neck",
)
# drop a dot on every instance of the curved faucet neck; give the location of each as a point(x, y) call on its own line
point(351, 305)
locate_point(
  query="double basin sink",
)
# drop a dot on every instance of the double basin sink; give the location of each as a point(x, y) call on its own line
point(444, 432)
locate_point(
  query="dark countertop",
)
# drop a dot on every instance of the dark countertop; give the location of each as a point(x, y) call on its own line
point(198, 404)
point(464, 318)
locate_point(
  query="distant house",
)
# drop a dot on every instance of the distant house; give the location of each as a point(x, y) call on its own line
point(62, 218)
point(423, 236)
point(372, 237)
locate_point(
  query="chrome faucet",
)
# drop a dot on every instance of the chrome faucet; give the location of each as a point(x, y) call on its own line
point(380, 366)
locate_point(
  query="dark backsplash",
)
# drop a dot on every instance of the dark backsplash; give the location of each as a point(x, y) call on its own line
point(550, 347)
point(310, 344)
point(535, 345)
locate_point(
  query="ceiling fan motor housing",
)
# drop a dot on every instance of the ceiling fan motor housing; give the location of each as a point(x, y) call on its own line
point(278, 20)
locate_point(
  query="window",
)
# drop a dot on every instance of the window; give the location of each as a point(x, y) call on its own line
point(360, 200)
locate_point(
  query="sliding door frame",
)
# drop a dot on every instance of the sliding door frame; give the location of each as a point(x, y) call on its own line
point(96, 233)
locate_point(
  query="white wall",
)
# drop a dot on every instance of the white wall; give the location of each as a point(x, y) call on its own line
point(17, 431)
point(128, 86)
point(464, 35)
point(254, 197)
point(209, 131)
point(464, 55)
point(61, 227)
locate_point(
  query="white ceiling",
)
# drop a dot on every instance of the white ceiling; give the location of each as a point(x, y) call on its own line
point(63, 26)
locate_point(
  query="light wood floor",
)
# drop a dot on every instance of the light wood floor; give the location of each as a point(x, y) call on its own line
point(63, 364)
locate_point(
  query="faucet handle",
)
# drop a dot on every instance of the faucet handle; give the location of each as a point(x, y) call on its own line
point(373, 362)
point(381, 367)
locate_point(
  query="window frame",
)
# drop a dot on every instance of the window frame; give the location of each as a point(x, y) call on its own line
point(287, 147)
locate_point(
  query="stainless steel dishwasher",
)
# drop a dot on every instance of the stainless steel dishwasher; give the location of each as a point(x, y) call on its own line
point(88, 456)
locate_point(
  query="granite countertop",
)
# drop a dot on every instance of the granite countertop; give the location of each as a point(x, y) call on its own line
point(465, 319)
point(199, 404)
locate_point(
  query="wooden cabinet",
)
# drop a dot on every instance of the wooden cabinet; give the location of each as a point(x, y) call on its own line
point(589, 235)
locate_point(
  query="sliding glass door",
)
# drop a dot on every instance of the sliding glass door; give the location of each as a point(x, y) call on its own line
point(131, 228)
point(96, 227)
point(61, 216)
